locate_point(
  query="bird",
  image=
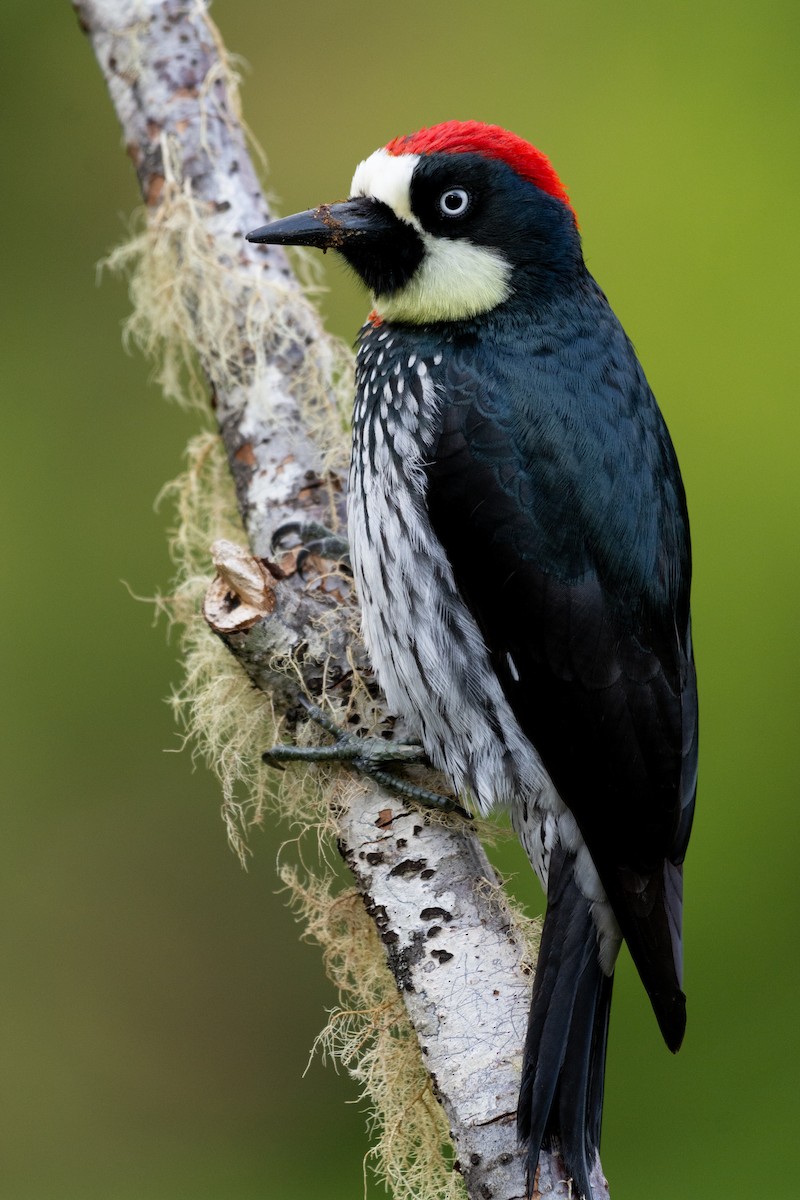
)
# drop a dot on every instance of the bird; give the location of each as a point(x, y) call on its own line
point(520, 545)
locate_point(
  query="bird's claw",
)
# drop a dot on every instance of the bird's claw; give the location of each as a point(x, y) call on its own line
point(368, 755)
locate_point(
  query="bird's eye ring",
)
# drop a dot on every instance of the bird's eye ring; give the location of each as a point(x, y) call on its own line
point(454, 202)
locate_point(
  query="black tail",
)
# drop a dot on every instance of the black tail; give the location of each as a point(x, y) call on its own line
point(561, 1095)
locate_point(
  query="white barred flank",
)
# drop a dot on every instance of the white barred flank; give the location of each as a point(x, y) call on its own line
point(429, 655)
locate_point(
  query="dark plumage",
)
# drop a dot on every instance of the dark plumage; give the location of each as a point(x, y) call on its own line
point(521, 546)
point(570, 543)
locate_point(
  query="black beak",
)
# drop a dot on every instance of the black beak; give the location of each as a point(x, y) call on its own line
point(381, 248)
point(331, 226)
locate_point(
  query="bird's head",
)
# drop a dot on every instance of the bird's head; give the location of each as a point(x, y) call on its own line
point(447, 224)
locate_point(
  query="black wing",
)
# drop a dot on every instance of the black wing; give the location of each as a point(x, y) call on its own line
point(564, 519)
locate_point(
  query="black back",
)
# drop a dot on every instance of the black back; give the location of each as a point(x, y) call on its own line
point(556, 494)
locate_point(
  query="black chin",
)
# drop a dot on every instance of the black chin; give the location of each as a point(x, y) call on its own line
point(386, 263)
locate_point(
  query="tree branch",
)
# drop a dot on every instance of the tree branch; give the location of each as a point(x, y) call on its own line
point(456, 957)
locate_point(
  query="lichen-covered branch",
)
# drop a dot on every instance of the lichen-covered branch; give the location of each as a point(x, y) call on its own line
point(231, 317)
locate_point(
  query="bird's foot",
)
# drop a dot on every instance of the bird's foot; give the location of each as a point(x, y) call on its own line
point(314, 539)
point(371, 756)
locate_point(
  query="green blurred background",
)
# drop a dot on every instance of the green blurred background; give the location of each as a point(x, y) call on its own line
point(157, 1007)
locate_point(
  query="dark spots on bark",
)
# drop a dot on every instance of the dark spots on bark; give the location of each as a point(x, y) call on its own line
point(401, 962)
point(428, 874)
point(400, 968)
point(442, 956)
point(410, 866)
point(375, 858)
point(434, 931)
point(475, 1159)
point(417, 830)
point(378, 913)
point(435, 914)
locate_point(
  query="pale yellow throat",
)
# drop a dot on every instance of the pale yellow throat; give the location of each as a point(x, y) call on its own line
point(454, 281)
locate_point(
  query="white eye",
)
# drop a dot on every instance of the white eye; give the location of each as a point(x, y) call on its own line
point(454, 202)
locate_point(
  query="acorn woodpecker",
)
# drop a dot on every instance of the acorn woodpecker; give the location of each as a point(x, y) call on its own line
point(520, 545)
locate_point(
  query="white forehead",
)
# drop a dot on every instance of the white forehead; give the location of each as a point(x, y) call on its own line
point(387, 177)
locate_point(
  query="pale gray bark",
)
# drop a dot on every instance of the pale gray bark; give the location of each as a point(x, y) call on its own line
point(449, 941)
